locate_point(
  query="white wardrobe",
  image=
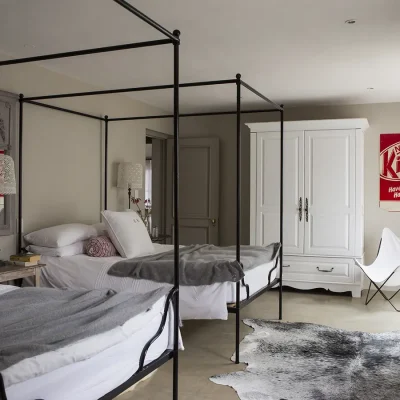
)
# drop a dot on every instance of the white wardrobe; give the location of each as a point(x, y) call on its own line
point(323, 205)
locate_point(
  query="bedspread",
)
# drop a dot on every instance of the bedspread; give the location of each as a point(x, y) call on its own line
point(198, 264)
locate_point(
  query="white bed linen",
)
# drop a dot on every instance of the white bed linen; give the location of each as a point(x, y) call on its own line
point(93, 377)
point(196, 302)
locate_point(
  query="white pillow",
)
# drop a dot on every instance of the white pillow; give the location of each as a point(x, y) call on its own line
point(70, 250)
point(101, 229)
point(128, 233)
point(61, 235)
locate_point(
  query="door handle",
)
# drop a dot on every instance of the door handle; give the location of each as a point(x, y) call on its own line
point(306, 209)
point(213, 221)
point(300, 209)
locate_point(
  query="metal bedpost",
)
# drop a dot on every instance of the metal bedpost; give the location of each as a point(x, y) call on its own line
point(238, 206)
point(175, 390)
point(281, 112)
point(20, 128)
point(105, 160)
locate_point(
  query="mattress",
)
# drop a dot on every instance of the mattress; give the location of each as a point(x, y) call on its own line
point(196, 302)
point(93, 377)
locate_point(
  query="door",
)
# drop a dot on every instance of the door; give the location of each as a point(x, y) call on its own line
point(330, 192)
point(268, 187)
point(198, 190)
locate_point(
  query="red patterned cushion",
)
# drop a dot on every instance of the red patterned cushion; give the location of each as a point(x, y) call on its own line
point(100, 246)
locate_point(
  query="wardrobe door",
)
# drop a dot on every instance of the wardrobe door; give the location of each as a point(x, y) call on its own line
point(330, 192)
point(268, 188)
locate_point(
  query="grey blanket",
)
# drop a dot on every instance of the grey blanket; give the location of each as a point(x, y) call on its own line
point(34, 321)
point(198, 264)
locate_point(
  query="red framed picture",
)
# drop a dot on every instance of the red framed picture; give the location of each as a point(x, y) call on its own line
point(389, 165)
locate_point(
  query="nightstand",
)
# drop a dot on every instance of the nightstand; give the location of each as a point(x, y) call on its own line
point(160, 238)
point(10, 272)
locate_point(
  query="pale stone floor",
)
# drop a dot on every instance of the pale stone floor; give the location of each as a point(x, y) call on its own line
point(210, 344)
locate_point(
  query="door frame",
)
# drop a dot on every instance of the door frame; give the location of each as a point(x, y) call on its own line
point(163, 186)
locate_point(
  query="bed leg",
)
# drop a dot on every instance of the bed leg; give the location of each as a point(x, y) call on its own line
point(280, 300)
point(237, 355)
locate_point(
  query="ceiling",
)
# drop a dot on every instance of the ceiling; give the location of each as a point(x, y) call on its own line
point(294, 51)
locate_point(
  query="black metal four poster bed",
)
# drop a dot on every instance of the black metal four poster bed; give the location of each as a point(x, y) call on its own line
point(173, 38)
point(173, 296)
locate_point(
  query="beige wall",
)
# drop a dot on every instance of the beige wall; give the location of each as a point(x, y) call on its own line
point(62, 153)
point(383, 118)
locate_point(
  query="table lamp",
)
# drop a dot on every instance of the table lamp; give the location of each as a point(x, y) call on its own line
point(130, 176)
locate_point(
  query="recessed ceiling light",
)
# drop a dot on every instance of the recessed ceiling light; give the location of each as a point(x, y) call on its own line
point(350, 21)
point(29, 46)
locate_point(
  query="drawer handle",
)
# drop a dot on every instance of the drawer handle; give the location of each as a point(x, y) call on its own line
point(325, 270)
point(286, 266)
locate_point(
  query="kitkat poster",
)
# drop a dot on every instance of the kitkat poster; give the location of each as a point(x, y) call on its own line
point(389, 164)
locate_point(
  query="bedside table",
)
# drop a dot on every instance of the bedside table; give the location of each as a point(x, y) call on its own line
point(10, 272)
point(160, 238)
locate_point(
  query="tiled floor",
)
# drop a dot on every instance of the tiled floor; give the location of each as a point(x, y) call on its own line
point(209, 344)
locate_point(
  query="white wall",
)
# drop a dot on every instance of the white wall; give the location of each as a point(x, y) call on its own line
point(62, 153)
point(383, 118)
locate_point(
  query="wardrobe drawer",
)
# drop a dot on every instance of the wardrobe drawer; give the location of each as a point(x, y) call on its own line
point(312, 269)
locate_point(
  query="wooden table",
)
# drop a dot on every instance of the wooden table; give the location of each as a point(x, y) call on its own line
point(11, 272)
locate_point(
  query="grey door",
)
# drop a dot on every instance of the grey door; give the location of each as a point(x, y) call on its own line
point(198, 190)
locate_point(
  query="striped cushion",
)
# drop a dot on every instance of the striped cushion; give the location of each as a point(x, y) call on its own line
point(100, 246)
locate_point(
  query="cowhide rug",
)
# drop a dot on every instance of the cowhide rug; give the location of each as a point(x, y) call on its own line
point(297, 361)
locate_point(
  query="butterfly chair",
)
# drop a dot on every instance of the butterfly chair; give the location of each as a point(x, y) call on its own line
point(383, 271)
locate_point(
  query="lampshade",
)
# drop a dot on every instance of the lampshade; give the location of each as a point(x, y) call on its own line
point(7, 175)
point(130, 176)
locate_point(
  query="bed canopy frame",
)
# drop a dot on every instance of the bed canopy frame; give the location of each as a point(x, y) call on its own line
point(174, 39)
point(173, 296)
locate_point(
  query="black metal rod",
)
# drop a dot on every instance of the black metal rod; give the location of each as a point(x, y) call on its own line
point(175, 390)
point(204, 114)
point(160, 329)
point(281, 218)
point(127, 90)
point(20, 143)
point(277, 107)
point(76, 53)
point(244, 303)
point(105, 162)
point(3, 395)
point(64, 110)
point(148, 20)
point(238, 206)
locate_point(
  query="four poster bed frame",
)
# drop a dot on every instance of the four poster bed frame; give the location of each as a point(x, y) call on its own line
point(173, 296)
point(174, 39)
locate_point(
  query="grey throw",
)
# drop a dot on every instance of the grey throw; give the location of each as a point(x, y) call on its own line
point(34, 321)
point(198, 264)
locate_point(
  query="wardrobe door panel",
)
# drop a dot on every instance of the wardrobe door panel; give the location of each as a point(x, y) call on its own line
point(268, 187)
point(330, 192)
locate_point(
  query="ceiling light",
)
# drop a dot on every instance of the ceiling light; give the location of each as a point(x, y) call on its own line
point(370, 88)
point(350, 21)
point(29, 46)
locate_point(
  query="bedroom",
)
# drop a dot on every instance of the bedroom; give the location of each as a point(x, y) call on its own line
point(57, 191)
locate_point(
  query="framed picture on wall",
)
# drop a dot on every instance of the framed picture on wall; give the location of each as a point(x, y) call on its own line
point(389, 165)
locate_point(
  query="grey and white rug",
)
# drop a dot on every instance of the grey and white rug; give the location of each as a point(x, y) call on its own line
point(297, 361)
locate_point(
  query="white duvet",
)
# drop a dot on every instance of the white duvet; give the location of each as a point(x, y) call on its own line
point(196, 302)
point(86, 348)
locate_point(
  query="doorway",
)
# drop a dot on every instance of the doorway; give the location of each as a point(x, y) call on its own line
point(155, 178)
point(198, 190)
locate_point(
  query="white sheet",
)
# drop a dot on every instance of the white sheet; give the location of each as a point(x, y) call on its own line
point(196, 302)
point(92, 377)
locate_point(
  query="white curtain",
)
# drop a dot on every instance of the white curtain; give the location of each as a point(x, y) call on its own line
point(148, 181)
